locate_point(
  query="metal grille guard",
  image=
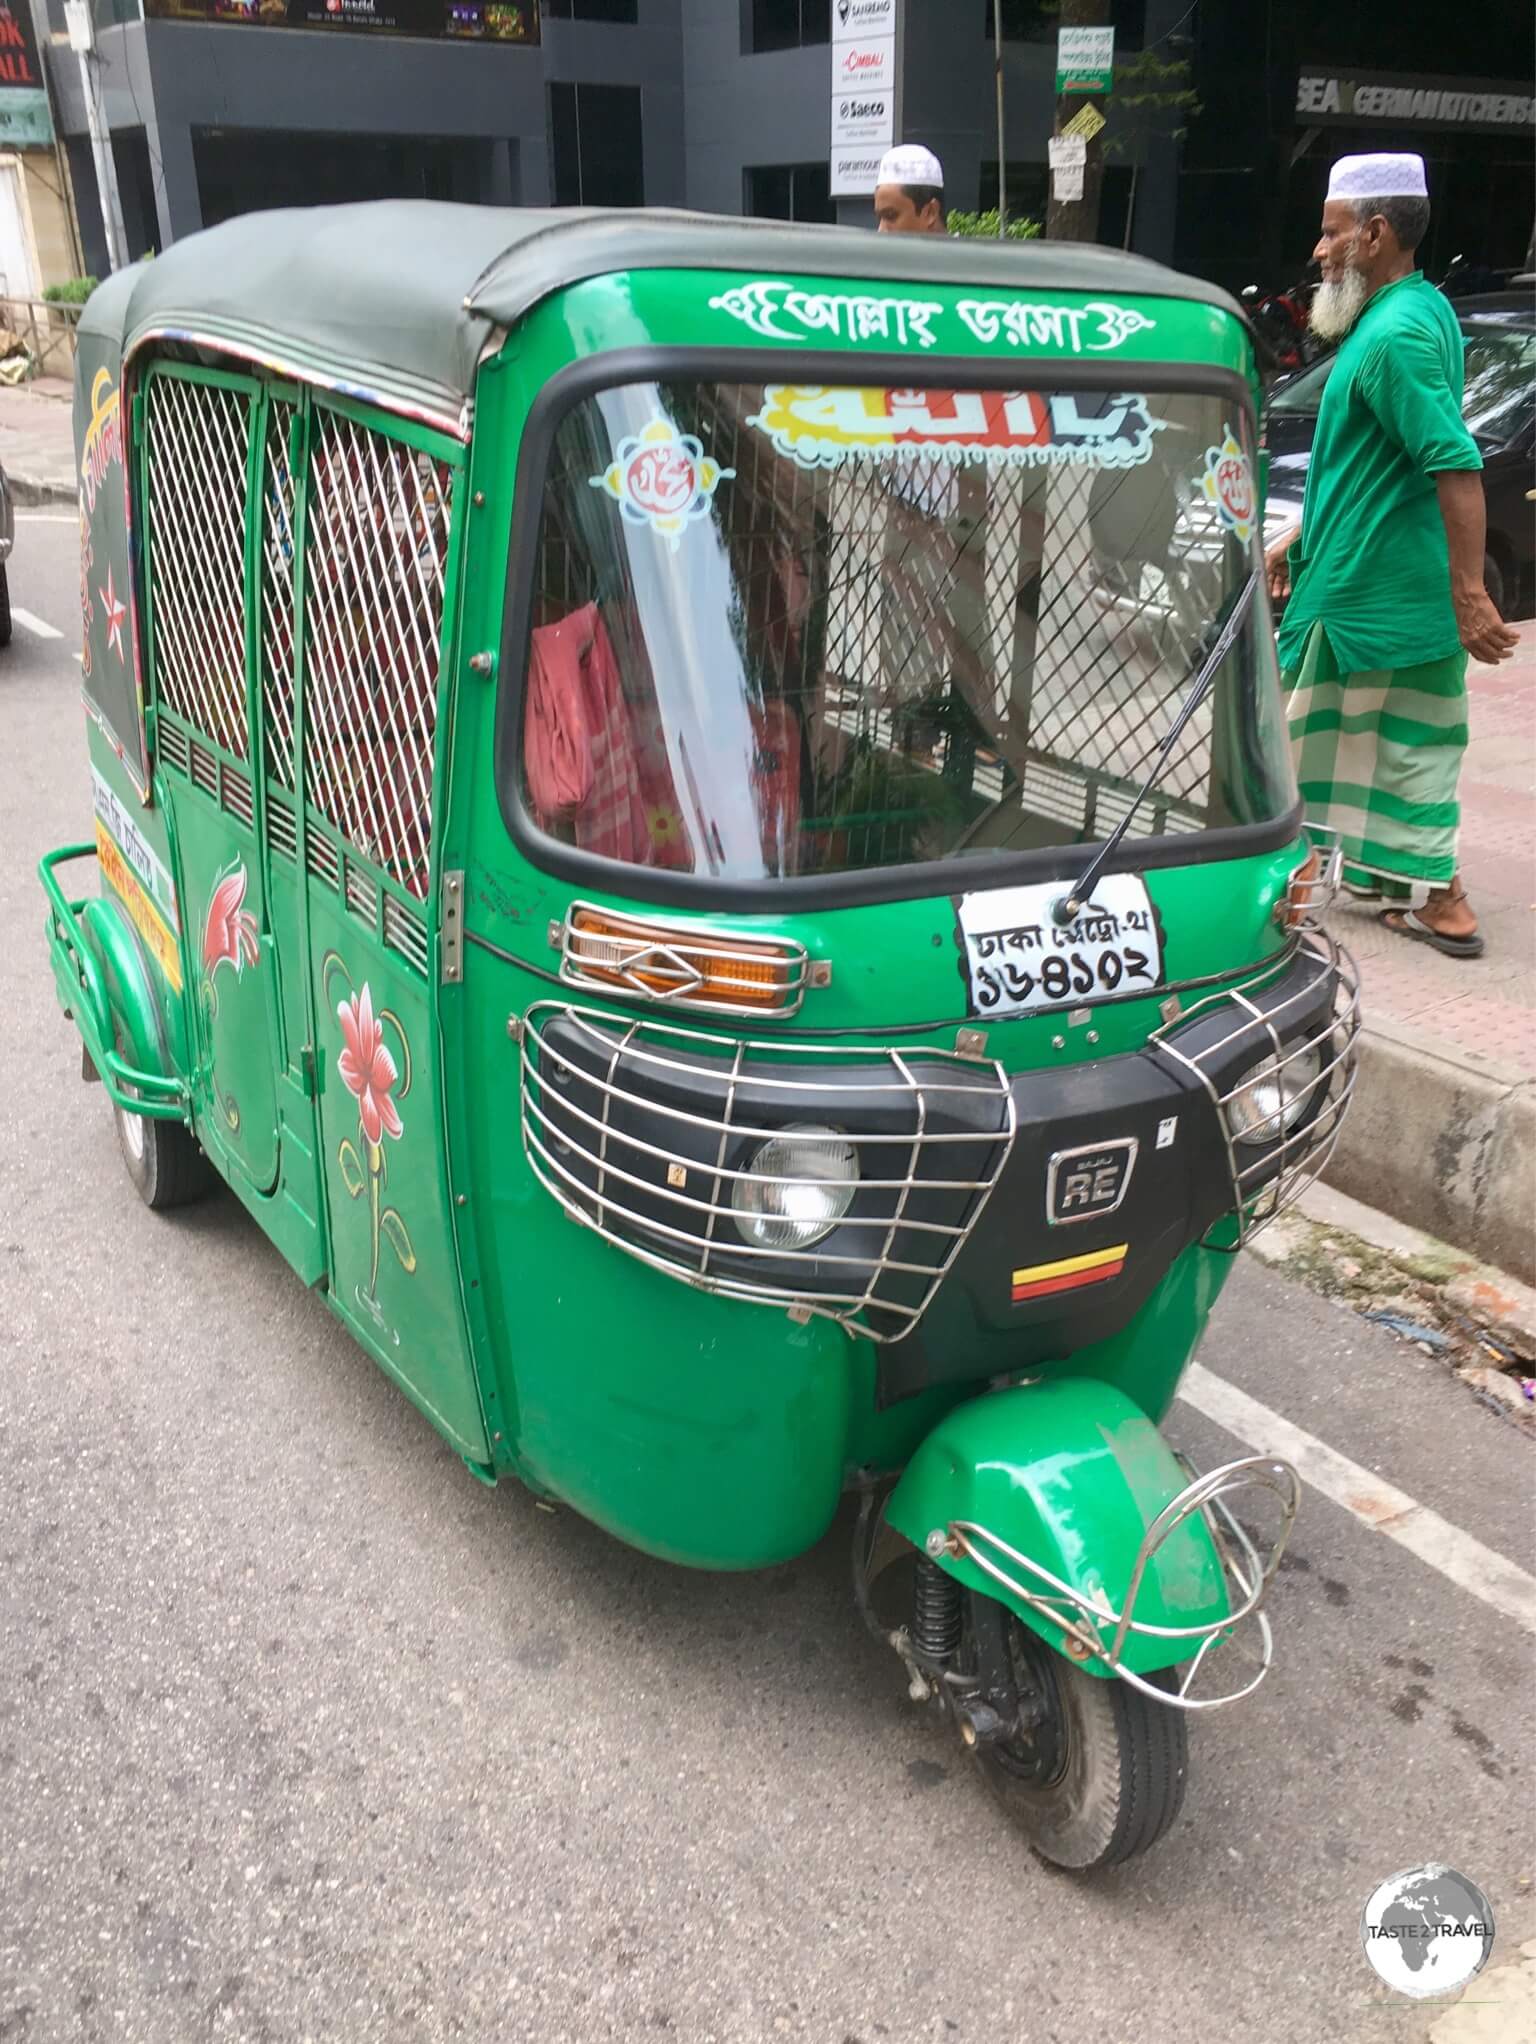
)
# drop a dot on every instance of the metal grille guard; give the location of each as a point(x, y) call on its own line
point(1093, 1628)
point(555, 1127)
point(1260, 1191)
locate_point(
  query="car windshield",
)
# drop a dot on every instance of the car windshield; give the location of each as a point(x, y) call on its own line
point(1304, 391)
point(789, 630)
point(1500, 394)
point(1501, 382)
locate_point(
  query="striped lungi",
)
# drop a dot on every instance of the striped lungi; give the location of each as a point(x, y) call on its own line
point(1378, 757)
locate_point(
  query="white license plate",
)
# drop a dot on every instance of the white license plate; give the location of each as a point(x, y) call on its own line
point(1019, 959)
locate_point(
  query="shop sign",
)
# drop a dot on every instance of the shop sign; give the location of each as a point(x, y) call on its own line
point(25, 122)
point(1470, 105)
point(1085, 59)
point(861, 119)
point(856, 171)
point(858, 20)
point(865, 66)
point(486, 21)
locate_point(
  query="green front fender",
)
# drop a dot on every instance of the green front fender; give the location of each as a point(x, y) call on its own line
point(1072, 1475)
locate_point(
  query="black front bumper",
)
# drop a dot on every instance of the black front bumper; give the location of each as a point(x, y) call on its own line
point(948, 1255)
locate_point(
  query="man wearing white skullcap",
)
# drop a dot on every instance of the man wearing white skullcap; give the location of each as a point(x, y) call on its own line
point(909, 191)
point(1385, 576)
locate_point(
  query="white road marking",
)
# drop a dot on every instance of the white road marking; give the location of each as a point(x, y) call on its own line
point(38, 627)
point(47, 518)
point(1458, 1556)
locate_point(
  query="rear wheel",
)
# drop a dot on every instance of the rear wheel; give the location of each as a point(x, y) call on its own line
point(1099, 1775)
point(5, 605)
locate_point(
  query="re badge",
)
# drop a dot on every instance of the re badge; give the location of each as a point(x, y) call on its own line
point(1091, 1180)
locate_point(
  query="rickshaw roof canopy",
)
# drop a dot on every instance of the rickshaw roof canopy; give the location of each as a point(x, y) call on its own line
point(396, 299)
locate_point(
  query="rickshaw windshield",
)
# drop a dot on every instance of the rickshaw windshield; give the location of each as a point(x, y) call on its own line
point(785, 630)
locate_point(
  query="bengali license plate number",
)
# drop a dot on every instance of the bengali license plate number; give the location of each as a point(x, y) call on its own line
point(1018, 958)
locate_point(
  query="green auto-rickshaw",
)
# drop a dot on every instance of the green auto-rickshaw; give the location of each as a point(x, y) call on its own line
point(695, 816)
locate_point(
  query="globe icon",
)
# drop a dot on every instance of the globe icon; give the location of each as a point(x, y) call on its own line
point(1427, 1931)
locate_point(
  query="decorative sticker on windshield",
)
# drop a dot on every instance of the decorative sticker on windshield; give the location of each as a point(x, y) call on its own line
point(1019, 959)
point(1228, 484)
point(824, 426)
point(663, 479)
point(780, 311)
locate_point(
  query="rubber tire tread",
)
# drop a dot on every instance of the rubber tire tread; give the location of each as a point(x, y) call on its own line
point(5, 604)
point(173, 1171)
point(1141, 1798)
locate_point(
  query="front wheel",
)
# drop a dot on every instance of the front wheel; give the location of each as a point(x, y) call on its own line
point(1099, 1775)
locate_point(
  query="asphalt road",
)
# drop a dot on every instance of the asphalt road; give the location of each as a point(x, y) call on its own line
point(303, 1734)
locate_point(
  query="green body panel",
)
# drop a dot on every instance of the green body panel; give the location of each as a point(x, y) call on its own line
point(1071, 1474)
point(708, 1431)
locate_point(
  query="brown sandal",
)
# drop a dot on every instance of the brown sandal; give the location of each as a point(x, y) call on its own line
point(1406, 922)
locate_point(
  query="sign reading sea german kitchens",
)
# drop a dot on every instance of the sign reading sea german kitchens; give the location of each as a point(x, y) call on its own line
point(1330, 99)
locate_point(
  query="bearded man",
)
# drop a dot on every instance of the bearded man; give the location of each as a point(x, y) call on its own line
point(1385, 577)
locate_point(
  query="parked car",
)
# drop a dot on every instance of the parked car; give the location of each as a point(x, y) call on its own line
point(1500, 408)
point(7, 541)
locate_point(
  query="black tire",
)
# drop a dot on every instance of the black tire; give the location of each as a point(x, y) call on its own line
point(1493, 582)
point(5, 605)
point(1104, 1777)
point(163, 1159)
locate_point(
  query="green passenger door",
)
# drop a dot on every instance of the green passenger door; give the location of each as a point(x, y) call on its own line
point(201, 490)
point(380, 549)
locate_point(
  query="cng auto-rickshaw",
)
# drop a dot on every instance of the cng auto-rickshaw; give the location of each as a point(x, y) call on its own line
point(695, 816)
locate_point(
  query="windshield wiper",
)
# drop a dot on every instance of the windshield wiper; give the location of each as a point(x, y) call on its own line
point(1225, 626)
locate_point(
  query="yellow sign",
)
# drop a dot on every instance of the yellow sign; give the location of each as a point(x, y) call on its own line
point(147, 919)
point(1086, 122)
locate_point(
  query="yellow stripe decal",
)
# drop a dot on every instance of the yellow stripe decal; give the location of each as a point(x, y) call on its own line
point(1069, 1264)
point(147, 919)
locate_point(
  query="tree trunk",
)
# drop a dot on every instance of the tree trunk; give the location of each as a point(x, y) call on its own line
point(1078, 219)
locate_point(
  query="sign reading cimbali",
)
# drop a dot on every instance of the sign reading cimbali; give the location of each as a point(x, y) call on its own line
point(486, 21)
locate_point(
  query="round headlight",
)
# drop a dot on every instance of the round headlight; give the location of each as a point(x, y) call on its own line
point(801, 1186)
point(1272, 1095)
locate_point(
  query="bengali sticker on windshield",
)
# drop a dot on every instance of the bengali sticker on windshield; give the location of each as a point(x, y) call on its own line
point(1018, 958)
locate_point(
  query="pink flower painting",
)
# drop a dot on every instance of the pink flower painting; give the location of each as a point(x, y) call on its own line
point(366, 1067)
point(229, 935)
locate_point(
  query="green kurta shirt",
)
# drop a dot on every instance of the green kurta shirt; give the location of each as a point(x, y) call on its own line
point(1372, 562)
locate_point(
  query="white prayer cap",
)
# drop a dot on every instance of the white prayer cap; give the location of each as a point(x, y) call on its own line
point(910, 164)
point(1378, 177)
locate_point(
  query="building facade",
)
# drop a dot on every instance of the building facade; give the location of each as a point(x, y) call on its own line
point(218, 106)
point(1214, 154)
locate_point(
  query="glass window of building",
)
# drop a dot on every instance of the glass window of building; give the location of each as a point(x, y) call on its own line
point(788, 24)
point(595, 140)
point(789, 191)
point(624, 11)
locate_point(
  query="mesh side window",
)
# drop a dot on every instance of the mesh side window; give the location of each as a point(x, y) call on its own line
point(377, 547)
point(198, 441)
point(277, 508)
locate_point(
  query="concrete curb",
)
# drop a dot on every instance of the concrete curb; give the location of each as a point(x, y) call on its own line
point(33, 490)
point(1446, 1141)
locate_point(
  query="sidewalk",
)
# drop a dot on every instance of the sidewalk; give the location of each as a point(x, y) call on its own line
point(1443, 1131)
point(37, 441)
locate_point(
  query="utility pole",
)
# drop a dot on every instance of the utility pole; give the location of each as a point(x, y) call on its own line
point(1078, 219)
point(82, 40)
point(1002, 151)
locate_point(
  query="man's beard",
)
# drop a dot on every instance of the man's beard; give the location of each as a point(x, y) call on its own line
point(1336, 307)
